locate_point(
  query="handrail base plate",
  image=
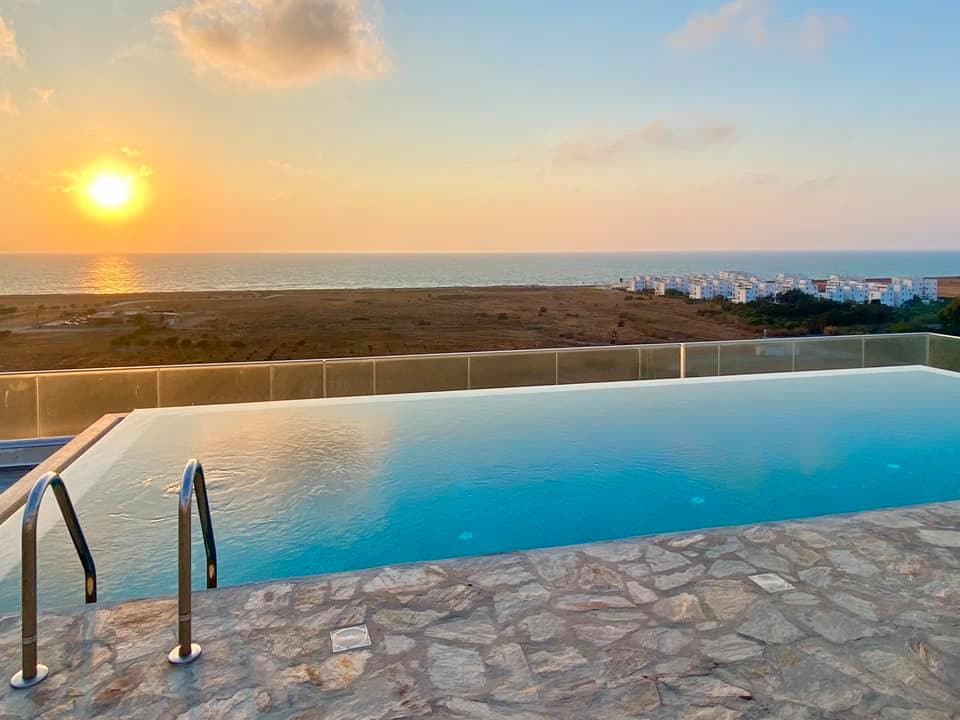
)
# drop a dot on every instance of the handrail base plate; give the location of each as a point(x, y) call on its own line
point(176, 658)
point(19, 683)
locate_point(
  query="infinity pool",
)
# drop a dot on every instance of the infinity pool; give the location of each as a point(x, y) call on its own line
point(314, 486)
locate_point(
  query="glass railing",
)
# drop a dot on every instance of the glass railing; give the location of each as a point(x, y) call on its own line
point(58, 403)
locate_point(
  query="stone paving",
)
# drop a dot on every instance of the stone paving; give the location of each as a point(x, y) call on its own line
point(845, 617)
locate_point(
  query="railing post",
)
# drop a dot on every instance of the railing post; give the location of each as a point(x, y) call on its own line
point(31, 671)
point(193, 480)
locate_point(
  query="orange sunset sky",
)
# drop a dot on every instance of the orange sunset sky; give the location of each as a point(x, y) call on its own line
point(422, 125)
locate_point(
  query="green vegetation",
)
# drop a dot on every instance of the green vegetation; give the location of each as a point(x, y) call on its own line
point(950, 317)
point(796, 313)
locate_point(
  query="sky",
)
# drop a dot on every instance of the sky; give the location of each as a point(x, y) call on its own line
point(503, 125)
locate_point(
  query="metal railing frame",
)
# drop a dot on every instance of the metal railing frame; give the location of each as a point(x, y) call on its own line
point(31, 671)
point(193, 482)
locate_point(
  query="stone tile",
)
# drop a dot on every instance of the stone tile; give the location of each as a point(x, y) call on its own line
point(847, 561)
point(835, 626)
point(542, 626)
point(455, 669)
point(679, 608)
point(730, 648)
point(476, 629)
point(511, 604)
point(728, 568)
point(678, 626)
point(768, 625)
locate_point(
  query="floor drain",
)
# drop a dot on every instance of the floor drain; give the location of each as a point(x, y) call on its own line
point(350, 638)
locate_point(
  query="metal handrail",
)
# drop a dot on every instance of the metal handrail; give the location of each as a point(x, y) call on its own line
point(32, 672)
point(186, 650)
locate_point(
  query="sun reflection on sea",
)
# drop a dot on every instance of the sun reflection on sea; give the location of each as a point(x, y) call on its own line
point(113, 274)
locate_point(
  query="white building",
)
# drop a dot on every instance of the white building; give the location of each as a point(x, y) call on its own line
point(740, 287)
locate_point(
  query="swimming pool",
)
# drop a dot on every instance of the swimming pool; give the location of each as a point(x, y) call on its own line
point(305, 487)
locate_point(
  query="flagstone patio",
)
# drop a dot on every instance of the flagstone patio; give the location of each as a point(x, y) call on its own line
point(844, 617)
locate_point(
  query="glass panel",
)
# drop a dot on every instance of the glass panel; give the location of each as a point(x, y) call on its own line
point(660, 362)
point(945, 352)
point(513, 369)
point(346, 378)
point(427, 374)
point(839, 353)
point(884, 350)
point(297, 381)
point(760, 357)
point(18, 407)
point(69, 402)
point(601, 365)
point(702, 360)
point(210, 385)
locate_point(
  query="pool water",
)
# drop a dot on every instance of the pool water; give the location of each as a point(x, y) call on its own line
point(306, 487)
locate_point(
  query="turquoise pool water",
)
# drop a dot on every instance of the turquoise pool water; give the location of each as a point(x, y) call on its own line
point(309, 487)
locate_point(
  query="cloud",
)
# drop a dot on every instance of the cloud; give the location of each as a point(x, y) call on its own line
point(297, 170)
point(752, 21)
point(131, 152)
point(8, 44)
point(44, 94)
point(7, 104)
point(72, 181)
point(277, 43)
point(703, 29)
point(814, 31)
point(652, 137)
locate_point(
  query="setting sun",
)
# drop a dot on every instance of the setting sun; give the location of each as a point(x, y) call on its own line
point(111, 192)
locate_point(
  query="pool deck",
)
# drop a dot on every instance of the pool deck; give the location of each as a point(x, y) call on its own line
point(841, 617)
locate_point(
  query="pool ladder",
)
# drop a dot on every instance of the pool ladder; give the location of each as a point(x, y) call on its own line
point(186, 651)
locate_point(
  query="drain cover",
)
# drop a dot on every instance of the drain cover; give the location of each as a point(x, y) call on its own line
point(350, 638)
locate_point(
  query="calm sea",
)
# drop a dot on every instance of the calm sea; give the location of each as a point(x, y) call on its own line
point(33, 274)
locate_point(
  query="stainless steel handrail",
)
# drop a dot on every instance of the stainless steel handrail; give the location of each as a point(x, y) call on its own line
point(32, 672)
point(186, 650)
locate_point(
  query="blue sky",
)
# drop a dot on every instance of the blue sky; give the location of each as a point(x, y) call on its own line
point(442, 125)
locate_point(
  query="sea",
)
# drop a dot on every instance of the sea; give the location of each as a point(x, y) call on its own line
point(44, 274)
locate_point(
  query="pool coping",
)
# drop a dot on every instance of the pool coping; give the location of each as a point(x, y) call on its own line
point(13, 498)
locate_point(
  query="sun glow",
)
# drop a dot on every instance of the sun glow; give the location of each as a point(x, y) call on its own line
point(110, 192)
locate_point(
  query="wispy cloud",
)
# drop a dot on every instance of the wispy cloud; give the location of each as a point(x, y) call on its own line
point(297, 170)
point(44, 95)
point(7, 104)
point(657, 136)
point(8, 44)
point(753, 22)
point(131, 152)
point(277, 43)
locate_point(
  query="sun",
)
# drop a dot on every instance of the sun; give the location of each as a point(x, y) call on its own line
point(110, 191)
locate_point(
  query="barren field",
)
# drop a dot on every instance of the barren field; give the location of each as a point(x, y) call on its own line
point(243, 326)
